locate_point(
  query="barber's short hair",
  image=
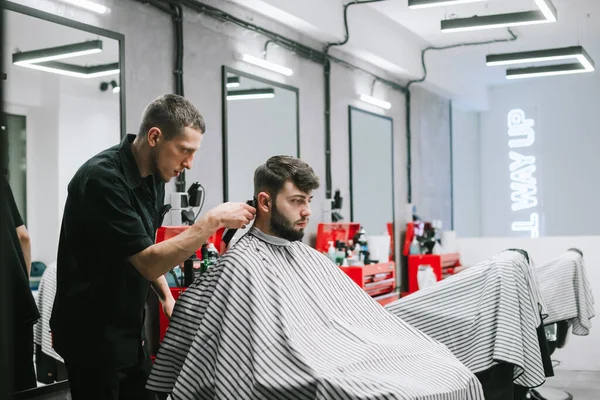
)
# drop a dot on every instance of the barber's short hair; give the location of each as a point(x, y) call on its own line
point(171, 114)
point(272, 175)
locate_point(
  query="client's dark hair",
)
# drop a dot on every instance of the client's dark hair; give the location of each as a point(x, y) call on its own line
point(272, 175)
point(171, 114)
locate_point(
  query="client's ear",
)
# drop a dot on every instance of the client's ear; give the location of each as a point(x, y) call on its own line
point(263, 201)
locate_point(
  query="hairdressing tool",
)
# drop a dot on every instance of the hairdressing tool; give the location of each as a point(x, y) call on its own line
point(228, 235)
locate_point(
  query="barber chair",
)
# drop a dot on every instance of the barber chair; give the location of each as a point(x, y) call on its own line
point(556, 334)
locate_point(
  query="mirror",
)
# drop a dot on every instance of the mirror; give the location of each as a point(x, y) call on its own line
point(260, 120)
point(64, 100)
point(371, 170)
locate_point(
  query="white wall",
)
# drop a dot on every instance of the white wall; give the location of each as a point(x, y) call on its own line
point(565, 110)
point(581, 352)
point(466, 172)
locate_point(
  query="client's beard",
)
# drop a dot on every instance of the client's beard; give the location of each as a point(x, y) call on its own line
point(283, 228)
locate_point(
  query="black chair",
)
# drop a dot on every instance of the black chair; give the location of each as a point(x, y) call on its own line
point(556, 334)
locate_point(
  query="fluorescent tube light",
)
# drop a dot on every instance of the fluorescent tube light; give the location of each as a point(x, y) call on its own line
point(265, 64)
point(577, 53)
point(573, 52)
point(233, 81)
point(548, 9)
point(546, 14)
point(89, 5)
point(251, 94)
point(57, 53)
point(376, 102)
point(416, 4)
point(548, 70)
point(76, 71)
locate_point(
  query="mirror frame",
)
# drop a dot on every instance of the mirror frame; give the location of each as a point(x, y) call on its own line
point(351, 164)
point(224, 70)
point(43, 15)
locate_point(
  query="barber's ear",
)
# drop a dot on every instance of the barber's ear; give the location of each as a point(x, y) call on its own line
point(263, 202)
point(154, 135)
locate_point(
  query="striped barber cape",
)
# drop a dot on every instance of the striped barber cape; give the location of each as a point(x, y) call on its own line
point(45, 302)
point(567, 292)
point(487, 314)
point(278, 320)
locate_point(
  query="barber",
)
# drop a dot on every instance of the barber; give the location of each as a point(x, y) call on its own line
point(107, 255)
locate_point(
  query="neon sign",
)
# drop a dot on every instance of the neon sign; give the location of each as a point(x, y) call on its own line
point(523, 183)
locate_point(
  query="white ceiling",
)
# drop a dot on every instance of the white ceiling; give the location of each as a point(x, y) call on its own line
point(578, 24)
point(573, 24)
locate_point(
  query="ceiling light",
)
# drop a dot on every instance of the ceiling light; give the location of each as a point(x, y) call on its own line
point(415, 4)
point(546, 14)
point(249, 94)
point(376, 102)
point(573, 52)
point(548, 70)
point(57, 53)
point(233, 81)
point(76, 71)
point(89, 5)
point(576, 53)
point(265, 64)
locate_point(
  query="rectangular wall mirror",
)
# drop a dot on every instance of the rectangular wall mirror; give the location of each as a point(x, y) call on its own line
point(371, 170)
point(64, 101)
point(260, 120)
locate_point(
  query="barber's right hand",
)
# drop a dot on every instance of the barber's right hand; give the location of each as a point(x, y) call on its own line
point(233, 215)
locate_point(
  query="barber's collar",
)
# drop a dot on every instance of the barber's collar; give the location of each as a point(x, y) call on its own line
point(274, 240)
point(130, 167)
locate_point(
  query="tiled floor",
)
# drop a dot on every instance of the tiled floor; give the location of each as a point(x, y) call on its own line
point(583, 385)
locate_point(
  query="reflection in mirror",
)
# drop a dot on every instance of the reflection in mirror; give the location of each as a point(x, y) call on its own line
point(371, 171)
point(260, 121)
point(62, 97)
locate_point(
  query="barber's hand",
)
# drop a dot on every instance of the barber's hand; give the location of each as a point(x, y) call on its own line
point(233, 215)
point(168, 305)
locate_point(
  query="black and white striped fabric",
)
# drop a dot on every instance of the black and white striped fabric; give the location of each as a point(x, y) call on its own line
point(45, 301)
point(278, 320)
point(567, 292)
point(487, 314)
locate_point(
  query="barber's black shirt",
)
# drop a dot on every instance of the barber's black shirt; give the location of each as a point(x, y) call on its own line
point(20, 301)
point(111, 213)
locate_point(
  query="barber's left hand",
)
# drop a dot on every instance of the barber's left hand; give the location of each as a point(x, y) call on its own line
point(168, 306)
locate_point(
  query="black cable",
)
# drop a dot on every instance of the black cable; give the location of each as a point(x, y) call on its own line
point(201, 203)
point(267, 43)
point(408, 99)
point(180, 183)
point(453, 46)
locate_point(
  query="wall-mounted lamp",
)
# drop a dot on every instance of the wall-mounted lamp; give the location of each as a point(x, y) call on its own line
point(415, 4)
point(250, 94)
point(115, 86)
point(88, 5)
point(233, 81)
point(577, 53)
point(259, 62)
point(376, 102)
point(546, 14)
